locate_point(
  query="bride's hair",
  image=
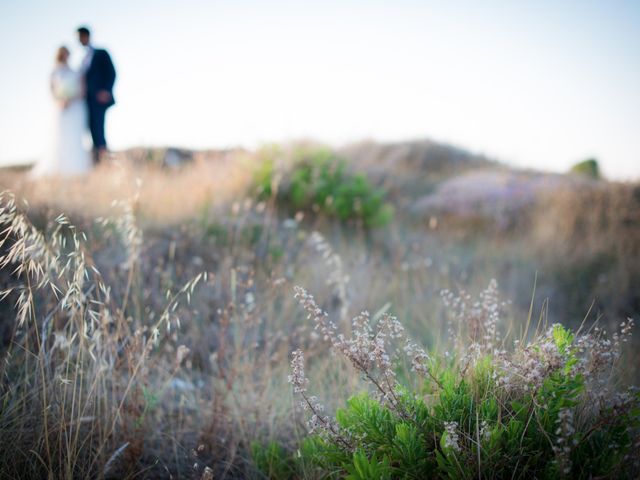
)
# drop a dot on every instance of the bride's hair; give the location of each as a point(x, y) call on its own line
point(62, 54)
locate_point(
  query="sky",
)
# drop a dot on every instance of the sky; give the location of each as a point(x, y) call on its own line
point(536, 84)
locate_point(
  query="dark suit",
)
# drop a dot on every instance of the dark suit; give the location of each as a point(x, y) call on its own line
point(101, 75)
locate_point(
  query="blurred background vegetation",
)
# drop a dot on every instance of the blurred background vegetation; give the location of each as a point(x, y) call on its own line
point(396, 224)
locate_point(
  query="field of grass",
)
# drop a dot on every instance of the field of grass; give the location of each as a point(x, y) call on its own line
point(149, 316)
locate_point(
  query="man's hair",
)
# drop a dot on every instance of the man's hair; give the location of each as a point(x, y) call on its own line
point(84, 31)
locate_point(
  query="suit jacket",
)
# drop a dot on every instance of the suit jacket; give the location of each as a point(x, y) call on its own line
point(101, 75)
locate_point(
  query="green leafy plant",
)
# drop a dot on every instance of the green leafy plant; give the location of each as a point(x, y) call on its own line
point(588, 168)
point(272, 460)
point(263, 178)
point(549, 408)
point(318, 181)
point(150, 400)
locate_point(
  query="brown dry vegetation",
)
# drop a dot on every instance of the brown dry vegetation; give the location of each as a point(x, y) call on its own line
point(140, 371)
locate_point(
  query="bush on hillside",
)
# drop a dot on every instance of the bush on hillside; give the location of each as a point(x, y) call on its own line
point(588, 168)
point(318, 181)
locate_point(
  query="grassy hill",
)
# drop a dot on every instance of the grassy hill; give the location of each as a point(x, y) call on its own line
point(149, 330)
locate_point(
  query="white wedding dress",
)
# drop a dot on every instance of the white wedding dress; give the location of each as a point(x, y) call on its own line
point(67, 155)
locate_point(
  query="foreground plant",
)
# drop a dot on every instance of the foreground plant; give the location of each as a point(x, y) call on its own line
point(547, 408)
point(65, 411)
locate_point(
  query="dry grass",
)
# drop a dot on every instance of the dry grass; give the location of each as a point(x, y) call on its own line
point(163, 196)
point(153, 339)
point(168, 361)
point(589, 240)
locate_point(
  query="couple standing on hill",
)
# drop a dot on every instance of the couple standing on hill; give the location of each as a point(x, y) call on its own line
point(82, 98)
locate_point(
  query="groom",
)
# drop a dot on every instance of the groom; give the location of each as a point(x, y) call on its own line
point(99, 75)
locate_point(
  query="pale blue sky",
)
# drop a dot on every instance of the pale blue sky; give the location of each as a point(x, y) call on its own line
point(540, 84)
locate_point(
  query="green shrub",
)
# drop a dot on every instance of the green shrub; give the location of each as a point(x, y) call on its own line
point(547, 409)
point(318, 181)
point(588, 168)
point(263, 179)
point(272, 460)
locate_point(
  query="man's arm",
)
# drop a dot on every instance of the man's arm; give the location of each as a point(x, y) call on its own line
point(107, 78)
point(109, 71)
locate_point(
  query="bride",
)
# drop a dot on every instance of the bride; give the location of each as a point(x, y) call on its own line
point(66, 155)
